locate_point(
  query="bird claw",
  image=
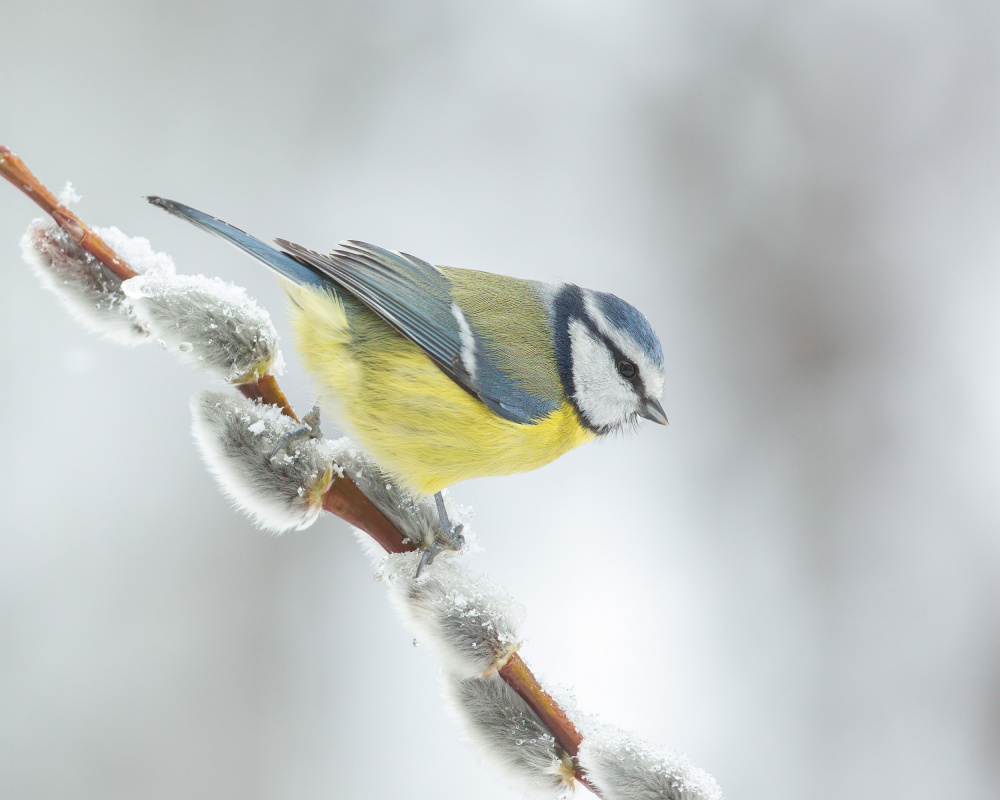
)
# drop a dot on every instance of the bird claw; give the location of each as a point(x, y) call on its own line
point(449, 537)
point(430, 552)
point(307, 429)
point(445, 540)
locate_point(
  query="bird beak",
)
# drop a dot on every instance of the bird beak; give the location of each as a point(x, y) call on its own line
point(651, 409)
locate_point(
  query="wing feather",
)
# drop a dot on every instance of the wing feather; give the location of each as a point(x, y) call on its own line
point(415, 298)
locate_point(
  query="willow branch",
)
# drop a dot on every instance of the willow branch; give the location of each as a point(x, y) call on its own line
point(344, 499)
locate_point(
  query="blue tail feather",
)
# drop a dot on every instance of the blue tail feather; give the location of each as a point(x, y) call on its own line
point(282, 263)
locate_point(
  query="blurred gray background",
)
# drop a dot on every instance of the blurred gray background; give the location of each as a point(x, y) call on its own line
point(797, 583)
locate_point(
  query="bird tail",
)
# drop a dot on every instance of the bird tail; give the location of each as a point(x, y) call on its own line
point(280, 262)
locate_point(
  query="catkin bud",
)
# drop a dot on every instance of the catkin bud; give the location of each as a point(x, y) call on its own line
point(510, 734)
point(236, 437)
point(89, 290)
point(208, 322)
point(623, 768)
point(468, 622)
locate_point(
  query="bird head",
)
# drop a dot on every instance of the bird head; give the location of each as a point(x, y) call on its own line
point(610, 360)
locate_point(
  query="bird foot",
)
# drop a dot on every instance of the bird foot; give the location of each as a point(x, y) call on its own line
point(308, 429)
point(449, 537)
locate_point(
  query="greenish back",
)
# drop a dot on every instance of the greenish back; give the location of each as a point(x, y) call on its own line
point(510, 317)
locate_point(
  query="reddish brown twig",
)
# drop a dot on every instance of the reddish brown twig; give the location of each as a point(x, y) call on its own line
point(521, 679)
point(344, 499)
point(266, 389)
point(14, 170)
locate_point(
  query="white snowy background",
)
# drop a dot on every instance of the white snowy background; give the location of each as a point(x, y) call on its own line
point(797, 583)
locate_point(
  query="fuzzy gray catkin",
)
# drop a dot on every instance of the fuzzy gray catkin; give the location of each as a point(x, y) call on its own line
point(510, 735)
point(623, 768)
point(207, 322)
point(236, 437)
point(468, 622)
point(87, 289)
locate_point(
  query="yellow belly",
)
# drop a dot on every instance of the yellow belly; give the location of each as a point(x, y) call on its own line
point(417, 423)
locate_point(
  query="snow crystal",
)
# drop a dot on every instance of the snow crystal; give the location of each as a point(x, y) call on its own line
point(68, 196)
point(137, 252)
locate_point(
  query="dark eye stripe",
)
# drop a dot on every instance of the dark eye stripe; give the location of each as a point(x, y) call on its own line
point(620, 358)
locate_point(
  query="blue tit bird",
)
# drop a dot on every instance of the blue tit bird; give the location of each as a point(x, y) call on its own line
point(444, 374)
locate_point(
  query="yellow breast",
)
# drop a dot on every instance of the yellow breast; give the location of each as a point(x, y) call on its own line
point(417, 423)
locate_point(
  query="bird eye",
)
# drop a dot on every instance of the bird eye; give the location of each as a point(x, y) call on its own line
point(626, 369)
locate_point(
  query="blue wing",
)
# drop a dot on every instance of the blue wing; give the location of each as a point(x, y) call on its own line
point(408, 293)
point(415, 298)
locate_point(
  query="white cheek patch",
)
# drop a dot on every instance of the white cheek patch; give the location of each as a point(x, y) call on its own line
point(468, 341)
point(604, 398)
point(650, 372)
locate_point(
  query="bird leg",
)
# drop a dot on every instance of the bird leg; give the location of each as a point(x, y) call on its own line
point(448, 538)
point(308, 429)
